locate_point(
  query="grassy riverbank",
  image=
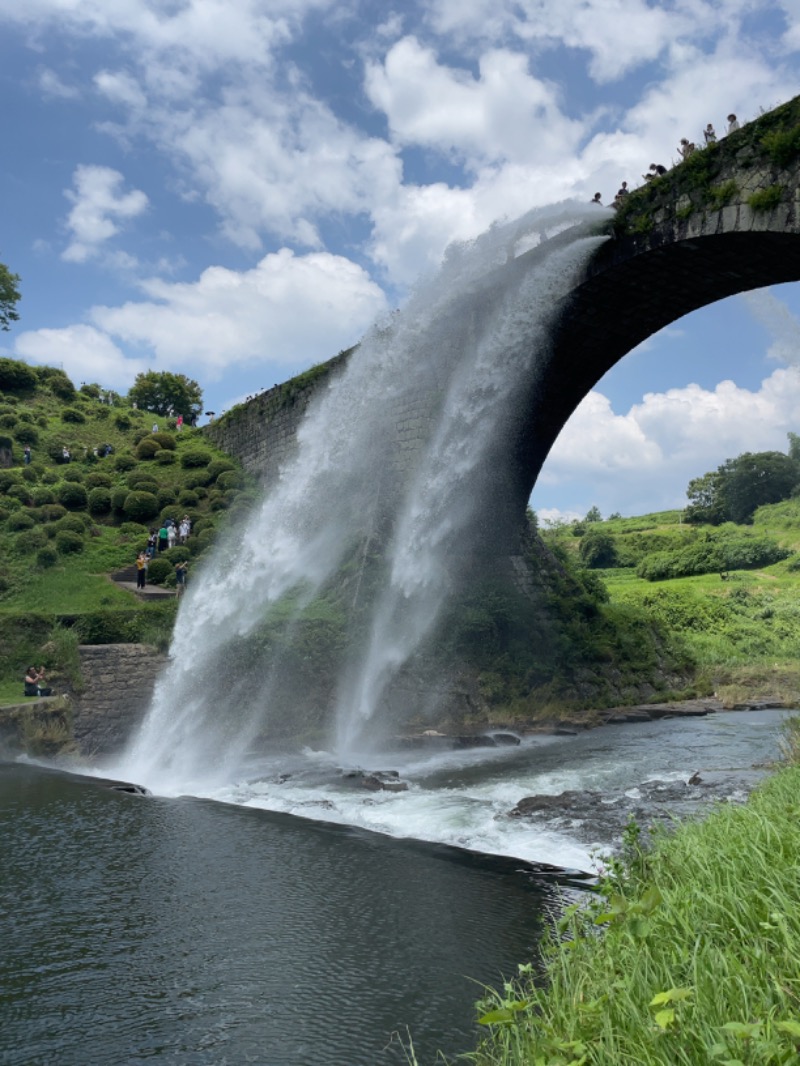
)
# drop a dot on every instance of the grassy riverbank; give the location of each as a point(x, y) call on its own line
point(699, 956)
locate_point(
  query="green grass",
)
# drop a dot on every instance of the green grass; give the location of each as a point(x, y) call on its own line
point(698, 957)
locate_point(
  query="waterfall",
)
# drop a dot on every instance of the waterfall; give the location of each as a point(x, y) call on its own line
point(405, 444)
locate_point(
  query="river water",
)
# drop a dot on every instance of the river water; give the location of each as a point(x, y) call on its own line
point(223, 929)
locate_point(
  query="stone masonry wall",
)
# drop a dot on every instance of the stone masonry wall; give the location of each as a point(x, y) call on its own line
point(119, 680)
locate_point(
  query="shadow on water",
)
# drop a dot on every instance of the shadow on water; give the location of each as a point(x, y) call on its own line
point(144, 929)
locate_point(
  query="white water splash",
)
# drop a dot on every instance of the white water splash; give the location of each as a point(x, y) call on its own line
point(468, 337)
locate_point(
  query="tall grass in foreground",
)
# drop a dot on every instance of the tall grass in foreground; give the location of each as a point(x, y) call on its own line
point(689, 954)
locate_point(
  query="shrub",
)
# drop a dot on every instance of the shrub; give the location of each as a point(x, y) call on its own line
point(166, 497)
point(134, 529)
point(766, 199)
point(50, 477)
point(147, 448)
point(61, 386)
point(8, 421)
point(72, 523)
point(20, 520)
point(97, 480)
point(220, 466)
point(138, 479)
point(19, 492)
point(26, 434)
point(139, 506)
point(16, 376)
point(165, 457)
point(42, 495)
point(7, 479)
point(91, 389)
point(99, 500)
point(4, 513)
point(69, 543)
point(72, 495)
point(179, 554)
point(46, 557)
point(52, 512)
point(197, 480)
point(122, 422)
point(188, 499)
point(166, 440)
point(159, 570)
point(72, 473)
point(118, 498)
point(31, 540)
point(230, 479)
point(195, 457)
point(124, 462)
point(71, 414)
point(28, 473)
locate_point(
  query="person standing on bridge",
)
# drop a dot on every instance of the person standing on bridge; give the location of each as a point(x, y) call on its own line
point(733, 123)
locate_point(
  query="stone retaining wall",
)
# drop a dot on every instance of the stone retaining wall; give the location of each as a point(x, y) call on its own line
point(118, 687)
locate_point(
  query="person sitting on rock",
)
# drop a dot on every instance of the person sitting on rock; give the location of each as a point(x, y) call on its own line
point(31, 681)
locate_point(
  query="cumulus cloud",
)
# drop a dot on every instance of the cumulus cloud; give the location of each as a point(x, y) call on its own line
point(99, 206)
point(51, 84)
point(779, 322)
point(504, 113)
point(85, 353)
point(287, 311)
point(648, 455)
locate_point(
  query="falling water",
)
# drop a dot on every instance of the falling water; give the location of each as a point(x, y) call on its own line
point(453, 359)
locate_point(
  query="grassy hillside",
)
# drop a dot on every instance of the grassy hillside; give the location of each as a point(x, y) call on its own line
point(738, 625)
point(66, 526)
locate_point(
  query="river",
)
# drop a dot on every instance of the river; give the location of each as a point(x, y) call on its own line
point(223, 929)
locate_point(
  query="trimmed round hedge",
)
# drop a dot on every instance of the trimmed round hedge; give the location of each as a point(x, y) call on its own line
point(158, 571)
point(72, 495)
point(147, 448)
point(69, 543)
point(139, 506)
point(46, 557)
point(99, 500)
point(195, 457)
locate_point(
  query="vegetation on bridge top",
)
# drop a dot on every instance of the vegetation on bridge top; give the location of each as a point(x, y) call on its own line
point(706, 180)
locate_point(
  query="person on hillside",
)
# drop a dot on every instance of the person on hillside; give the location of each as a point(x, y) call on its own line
point(180, 577)
point(141, 570)
point(655, 170)
point(172, 535)
point(685, 148)
point(622, 191)
point(733, 123)
point(596, 199)
point(184, 529)
point(152, 543)
point(179, 423)
point(65, 454)
point(26, 451)
point(710, 134)
point(31, 681)
point(163, 538)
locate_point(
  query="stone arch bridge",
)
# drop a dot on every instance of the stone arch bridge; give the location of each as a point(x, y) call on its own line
point(725, 221)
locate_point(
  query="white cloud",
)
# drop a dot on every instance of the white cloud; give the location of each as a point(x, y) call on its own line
point(778, 320)
point(504, 113)
point(85, 353)
point(644, 459)
point(288, 311)
point(98, 206)
point(51, 85)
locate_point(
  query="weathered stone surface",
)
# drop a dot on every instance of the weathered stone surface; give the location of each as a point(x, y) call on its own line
point(118, 687)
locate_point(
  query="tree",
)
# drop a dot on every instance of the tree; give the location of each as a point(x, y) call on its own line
point(733, 491)
point(9, 297)
point(593, 515)
point(165, 394)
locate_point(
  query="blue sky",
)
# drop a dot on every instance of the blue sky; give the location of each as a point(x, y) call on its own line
point(234, 189)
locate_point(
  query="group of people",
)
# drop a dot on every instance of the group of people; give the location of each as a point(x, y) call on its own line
point(170, 533)
point(685, 149)
point(35, 684)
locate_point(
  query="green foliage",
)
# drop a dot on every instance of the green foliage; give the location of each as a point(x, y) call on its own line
point(164, 440)
point(20, 520)
point(164, 457)
point(766, 199)
point(782, 145)
point(159, 570)
point(195, 457)
point(72, 495)
point(97, 479)
point(139, 506)
point(9, 298)
point(46, 557)
point(8, 421)
point(220, 466)
point(14, 375)
point(59, 384)
point(70, 414)
point(720, 195)
point(713, 553)
point(99, 501)
point(69, 543)
point(124, 462)
point(737, 488)
point(164, 393)
point(147, 448)
point(598, 549)
point(27, 435)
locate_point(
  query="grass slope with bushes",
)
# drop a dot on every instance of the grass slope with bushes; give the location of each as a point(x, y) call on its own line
point(729, 595)
point(66, 526)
